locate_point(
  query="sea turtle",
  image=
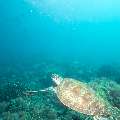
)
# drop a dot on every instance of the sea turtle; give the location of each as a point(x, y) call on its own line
point(80, 97)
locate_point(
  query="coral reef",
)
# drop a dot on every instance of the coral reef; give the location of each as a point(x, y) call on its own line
point(16, 105)
point(109, 71)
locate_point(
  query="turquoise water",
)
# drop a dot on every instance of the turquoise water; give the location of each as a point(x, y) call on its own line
point(27, 30)
point(77, 39)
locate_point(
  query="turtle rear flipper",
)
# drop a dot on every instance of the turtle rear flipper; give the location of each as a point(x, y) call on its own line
point(100, 118)
point(105, 118)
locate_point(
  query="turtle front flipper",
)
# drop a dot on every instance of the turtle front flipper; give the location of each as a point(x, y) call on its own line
point(49, 89)
point(53, 89)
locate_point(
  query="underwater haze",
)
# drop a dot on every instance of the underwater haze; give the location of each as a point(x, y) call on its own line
point(79, 39)
point(88, 30)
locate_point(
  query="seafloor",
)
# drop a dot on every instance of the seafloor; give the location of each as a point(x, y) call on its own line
point(16, 79)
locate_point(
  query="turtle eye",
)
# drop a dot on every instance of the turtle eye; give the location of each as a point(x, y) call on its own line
point(54, 76)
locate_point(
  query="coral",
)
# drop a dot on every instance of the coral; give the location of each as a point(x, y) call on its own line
point(3, 106)
point(10, 91)
point(18, 104)
point(114, 97)
point(109, 71)
point(14, 105)
point(21, 115)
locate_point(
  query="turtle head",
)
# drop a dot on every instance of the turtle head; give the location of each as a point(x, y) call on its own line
point(56, 79)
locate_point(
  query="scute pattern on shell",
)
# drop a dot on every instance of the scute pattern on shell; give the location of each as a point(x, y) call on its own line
point(80, 97)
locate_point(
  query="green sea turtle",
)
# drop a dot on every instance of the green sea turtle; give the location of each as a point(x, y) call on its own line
point(79, 97)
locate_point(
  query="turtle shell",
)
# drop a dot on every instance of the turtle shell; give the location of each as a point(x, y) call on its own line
point(80, 97)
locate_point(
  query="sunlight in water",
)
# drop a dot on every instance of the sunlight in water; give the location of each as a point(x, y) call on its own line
point(78, 10)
